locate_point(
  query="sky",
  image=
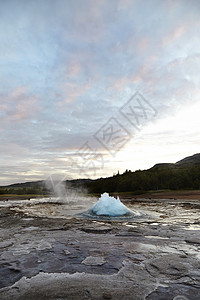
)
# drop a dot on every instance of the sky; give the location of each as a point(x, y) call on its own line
point(92, 87)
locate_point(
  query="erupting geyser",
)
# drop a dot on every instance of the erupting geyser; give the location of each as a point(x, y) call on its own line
point(112, 207)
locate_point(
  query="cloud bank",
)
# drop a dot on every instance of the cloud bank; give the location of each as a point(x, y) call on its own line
point(67, 67)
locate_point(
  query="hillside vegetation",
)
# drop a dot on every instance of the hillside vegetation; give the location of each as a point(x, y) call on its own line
point(183, 175)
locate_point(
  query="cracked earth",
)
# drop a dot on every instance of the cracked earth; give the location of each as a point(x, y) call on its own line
point(48, 252)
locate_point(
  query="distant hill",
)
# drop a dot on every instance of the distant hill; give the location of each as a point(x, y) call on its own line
point(190, 160)
point(185, 162)
point(25, 184)
point(184, 174)
point(163, 165)
point(42, 187)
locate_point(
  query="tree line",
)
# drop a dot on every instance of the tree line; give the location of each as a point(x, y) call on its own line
point(138, 182)
point(171, 178)
point(23, 190)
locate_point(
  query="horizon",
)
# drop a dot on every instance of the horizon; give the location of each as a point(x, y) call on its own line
point(115, 173)
point(90, 88)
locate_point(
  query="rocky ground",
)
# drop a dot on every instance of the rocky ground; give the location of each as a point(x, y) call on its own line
point(47, 252)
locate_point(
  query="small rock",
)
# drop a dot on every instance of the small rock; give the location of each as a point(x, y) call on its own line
point(193, 240)
point(94, 261)
point(5, 244)
point(180, 297)
point(183, 255)
point(96, 229)
point(107, 295)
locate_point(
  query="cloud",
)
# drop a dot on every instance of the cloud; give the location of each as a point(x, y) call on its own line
point(120, 83)
point(73, 69)
point(18, 106)
point(71, 91)
point(68, 66)
point(174, 35)
point(89, 22)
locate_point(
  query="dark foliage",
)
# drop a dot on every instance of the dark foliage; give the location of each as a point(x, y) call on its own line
point(173, 178)
point(182, 175)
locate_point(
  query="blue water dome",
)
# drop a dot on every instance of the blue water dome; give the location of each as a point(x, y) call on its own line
point(110, 206)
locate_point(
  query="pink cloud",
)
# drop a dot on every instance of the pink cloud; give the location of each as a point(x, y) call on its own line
point(174, 35)
point(74, 69)
point(25, 109)
point(192, 59)
point(144, 73)
point(120, 83)
point(73, 91)
point(18, 106)
point(17, 93)
point(173, 6)
point(89, 21)
point(143, 44)
point(125, 4)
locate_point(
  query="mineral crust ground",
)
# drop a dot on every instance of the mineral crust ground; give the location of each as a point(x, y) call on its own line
point(46, 253)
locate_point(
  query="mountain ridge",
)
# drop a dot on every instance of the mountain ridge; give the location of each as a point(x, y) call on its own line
point(184, 174)
point(188, 160)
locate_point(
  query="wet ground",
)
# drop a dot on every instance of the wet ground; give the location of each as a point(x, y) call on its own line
point(47, 251)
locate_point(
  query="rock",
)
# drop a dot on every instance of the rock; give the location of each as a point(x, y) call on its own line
point(96, 229)
point(193, 240)
point(94, 261)
point(99, 260)
point(180, 297)
point(170, 265)
point(5, 244)
point(107, 295)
